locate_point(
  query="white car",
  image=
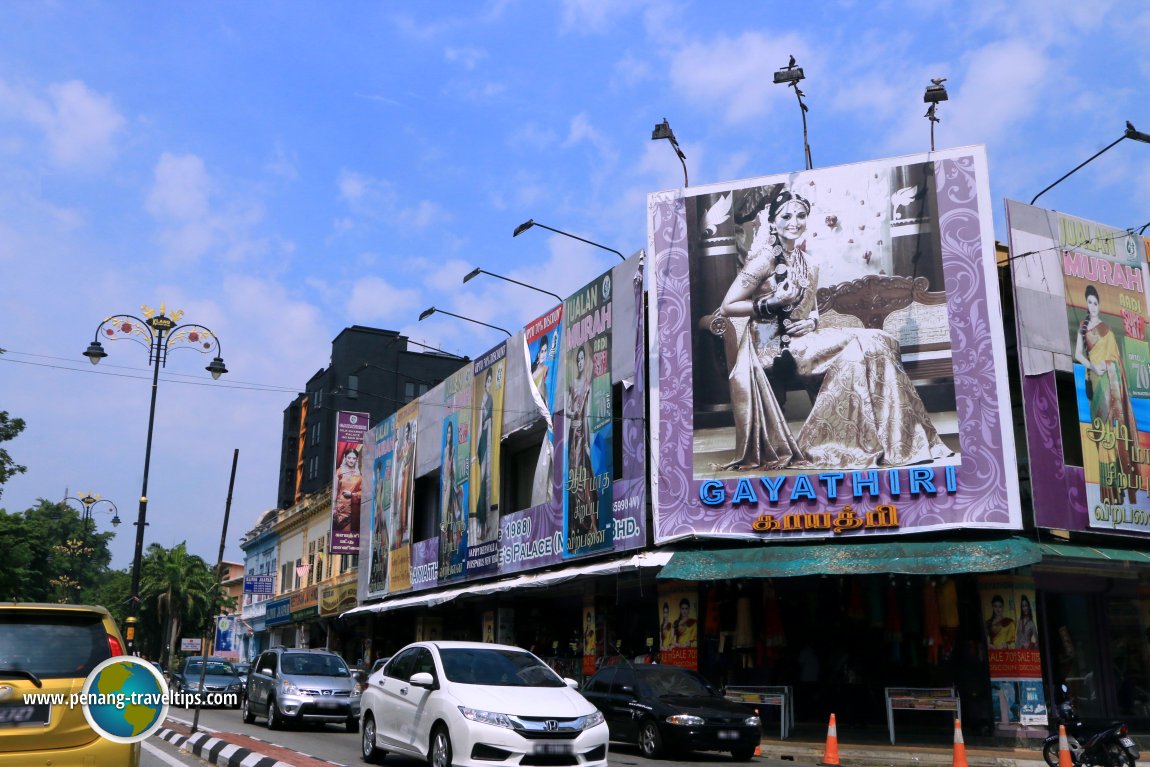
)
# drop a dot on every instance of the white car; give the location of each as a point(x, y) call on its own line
point(475, 704)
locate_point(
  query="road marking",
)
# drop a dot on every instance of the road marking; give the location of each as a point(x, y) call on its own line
point(162, 756)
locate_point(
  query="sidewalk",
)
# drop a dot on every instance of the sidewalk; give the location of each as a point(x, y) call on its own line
point(229, 749)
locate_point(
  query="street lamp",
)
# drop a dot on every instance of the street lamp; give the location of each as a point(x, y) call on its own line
point(935, 93)
point(89, 501)
point(160, 334)
point(790, 75)
point(1130, 133)
point(663, 131)
point(432, 310)
point(532, 222)
point(477, 271)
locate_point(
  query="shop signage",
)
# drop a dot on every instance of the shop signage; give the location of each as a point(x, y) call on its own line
point(278, 611)
point(337, 597)
point(191, 644)
point(347, 481)
point(259, 584)
point(795, 319)
point(304, 603)
point(1091, 322)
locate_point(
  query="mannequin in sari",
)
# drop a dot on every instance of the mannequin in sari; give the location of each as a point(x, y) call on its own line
point(1110, 406)
point(866, 411)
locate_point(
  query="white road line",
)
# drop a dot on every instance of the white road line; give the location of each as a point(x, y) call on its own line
point(162, 756)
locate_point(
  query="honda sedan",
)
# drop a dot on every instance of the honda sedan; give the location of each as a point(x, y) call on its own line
point(475, 704)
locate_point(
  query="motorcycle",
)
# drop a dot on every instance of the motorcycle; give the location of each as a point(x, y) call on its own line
point(1108, 747)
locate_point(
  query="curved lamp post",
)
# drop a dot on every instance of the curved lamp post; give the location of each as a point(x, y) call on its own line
point(532, 222)
point(89, 502)
point(477, 271)
point(432, 310)
point(663, 131)
point(1129, 133)
point(160, 334)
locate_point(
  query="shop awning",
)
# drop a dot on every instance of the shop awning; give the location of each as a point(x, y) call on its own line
point(914, 557)
point(1061, 552)
point(527, 580)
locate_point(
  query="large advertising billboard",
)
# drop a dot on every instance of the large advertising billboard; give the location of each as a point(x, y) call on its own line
point(402, 498)
point(379, 449)
point(454, 475)
point(1081, 305)
point(347, 481)
point(490, 377)
point(828, 356)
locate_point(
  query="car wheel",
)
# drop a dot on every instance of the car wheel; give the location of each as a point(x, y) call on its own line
point(650, 741)
point(371, 754)
point(743, 753)
point(246, 710)
point(352, 724)
point(440, 753)
point(275, 718)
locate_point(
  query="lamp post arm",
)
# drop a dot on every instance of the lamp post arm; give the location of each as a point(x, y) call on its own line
point(1079, 166)
point(477, 322)
point(524, 284)
point(576, 237)
point(125, 329)
point(196, 337)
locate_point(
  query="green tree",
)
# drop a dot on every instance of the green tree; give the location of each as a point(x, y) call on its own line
point(51, 555)
point(178, 591)
point(9, 429)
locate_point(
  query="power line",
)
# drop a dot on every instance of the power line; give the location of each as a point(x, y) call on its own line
point(213, 384)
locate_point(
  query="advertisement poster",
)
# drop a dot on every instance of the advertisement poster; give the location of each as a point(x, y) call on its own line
point(588, 468)
point(402, 498)
point(542, 339)
point(455, 484)
point(379, 446)
point(487, 427)
point(1010, 624)
point(489, 626)
point(225, 644)
point(347, 481)
point(796, 319)
point(1091, 323)
point(678, 625)
point(590, 636)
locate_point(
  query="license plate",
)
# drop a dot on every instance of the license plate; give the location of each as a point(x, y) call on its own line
point(728, 735)
point(1127, 742)
point(327, 703)
point(21, 715)
point(553, 748)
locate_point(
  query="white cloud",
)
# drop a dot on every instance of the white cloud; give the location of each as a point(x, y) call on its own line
point(366, 197)
point(422, 215)
point(375, 300)
point(581, 130)
point(1003, 84)
point(180, 188)
point(733, 76)
point(283, 163)
point(79, 125)
point(468, 58)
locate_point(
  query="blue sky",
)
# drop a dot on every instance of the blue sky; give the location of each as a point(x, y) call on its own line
point(280, 171)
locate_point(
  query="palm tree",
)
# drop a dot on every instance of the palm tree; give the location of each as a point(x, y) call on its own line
point(181, 588)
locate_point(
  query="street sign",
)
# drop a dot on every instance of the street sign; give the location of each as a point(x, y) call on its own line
point(259, 584)
point(191, 645)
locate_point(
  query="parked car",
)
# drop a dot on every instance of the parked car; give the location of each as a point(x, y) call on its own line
point(242, 669)
point(51, 649)
point(379, 663)
point(220, 677)
point(296, 685)
point(666, 708)
point(468, 704)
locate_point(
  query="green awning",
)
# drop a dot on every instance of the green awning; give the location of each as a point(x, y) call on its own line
point(915, 557)
point(1056, 552)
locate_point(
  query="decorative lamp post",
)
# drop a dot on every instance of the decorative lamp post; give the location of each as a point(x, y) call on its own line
point(160, 334)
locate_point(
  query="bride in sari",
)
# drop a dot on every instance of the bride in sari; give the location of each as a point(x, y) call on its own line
point(866, 411)
point(1110, 406)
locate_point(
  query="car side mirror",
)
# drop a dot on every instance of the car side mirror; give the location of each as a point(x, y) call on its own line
point(422, 679)
point(266, 670)
point(571, 683)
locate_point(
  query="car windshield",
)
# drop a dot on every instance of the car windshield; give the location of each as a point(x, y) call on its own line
point(313, 665)
point(214, 669)
point(670, 682)
point(500, 668)
point(52, 646)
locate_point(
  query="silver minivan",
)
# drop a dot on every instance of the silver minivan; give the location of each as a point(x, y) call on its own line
point(297, 685)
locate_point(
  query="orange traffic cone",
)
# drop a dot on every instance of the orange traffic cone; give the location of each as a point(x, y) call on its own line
point(831, 755)
point(959, 758)
point(759, 750)
point(1064, 759)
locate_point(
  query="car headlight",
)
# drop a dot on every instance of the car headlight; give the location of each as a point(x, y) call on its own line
point(357, 691)
point(289, 688)
point(687, 720)
point(594, 719)
point(487, 717)
point(752, 721)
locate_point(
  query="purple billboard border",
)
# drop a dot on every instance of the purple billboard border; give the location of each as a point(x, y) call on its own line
point(984, 496)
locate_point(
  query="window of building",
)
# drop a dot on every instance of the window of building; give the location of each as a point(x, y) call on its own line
point(311, 563)
point(298, 578)
point(520, 461)
point(617, 430)
point(315, 395)
point(285, 579)
point(352, 387)
point(425, 522)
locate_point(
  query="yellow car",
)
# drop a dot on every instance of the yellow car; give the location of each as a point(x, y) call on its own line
point(49, 648)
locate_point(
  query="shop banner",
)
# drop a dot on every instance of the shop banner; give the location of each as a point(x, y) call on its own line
point(424, 570)
point(541, 338)
point(455, 484)
point(335, 598)
point(678, 625)
point(379, 446)
point(347, 481)
point(487, 426)
point(1093, 322)
point(402, 499)
point(588, 467)
point(811, 344)
point(225, 643)
point(1011, 630)
point(278, 611)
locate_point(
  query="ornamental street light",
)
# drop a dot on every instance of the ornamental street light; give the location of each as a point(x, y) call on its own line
point(532, 222)
point(89, 502)
point(1129, 133)
point(432, 310)
point(477, 271)
point(160, 334)
point(663, 131)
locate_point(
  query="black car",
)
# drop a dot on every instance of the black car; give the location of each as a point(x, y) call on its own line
point(671, 709)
